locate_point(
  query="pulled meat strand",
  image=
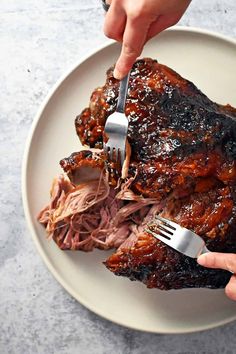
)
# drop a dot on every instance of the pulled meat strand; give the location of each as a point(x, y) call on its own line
point(93, 214)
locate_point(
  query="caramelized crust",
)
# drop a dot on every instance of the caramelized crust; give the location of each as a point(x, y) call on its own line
point(176, 133)
point(183, 149)
point(158, 266)
point(212, 215)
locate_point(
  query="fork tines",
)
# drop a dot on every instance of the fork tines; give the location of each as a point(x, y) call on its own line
point(114, 155)
point(166, 222)
point(162, 227)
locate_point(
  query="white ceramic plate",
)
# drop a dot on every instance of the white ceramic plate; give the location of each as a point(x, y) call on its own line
point(209, 61)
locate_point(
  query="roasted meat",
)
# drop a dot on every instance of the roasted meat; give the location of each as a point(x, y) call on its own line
point(182, 165)
point(176, 133)
point(211, 215)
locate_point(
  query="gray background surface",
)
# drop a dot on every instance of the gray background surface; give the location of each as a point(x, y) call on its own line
point(39, 41)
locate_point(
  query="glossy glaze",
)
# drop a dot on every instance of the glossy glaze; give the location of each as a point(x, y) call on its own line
point(183, 149)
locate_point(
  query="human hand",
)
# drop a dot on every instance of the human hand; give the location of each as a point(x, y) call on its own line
point(225, 261)
point(134, 22)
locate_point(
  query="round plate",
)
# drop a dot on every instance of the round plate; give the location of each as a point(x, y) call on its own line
point(208, 60)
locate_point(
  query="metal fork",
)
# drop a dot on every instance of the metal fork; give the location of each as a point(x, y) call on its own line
point(177, 237)
point(116, 127)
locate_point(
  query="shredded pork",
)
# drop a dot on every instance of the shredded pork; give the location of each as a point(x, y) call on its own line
point(93, 214)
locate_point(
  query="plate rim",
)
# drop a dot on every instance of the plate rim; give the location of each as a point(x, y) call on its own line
point(25, 203)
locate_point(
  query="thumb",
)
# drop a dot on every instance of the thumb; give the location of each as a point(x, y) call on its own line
point(225, 261)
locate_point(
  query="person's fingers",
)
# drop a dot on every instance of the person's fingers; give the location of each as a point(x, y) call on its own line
point(225, 261)
point(230, 288)
point(134, 38)
point(114, 24)
point(161, 24)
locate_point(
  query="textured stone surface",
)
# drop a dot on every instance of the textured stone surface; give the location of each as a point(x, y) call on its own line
point(39, 41)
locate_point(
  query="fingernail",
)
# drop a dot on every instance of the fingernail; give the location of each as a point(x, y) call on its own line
point(202, 259)
point(117, 74)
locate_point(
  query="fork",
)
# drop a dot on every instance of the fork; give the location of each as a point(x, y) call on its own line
point(116, 127)
point(181, 239)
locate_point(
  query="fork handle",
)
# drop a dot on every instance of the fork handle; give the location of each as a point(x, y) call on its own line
point(105, 5)
point(124, 83)
point(205, 250)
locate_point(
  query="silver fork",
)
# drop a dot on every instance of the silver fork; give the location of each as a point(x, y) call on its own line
point(177, 237)
point(116, 127)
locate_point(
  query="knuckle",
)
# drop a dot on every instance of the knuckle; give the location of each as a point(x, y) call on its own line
point(172, 20)
point(129, 50)
point(106, 31)
point(210, 260)
point(140, 12)
point(109, 32)
point(134, 16)
point(230, 262)
point(213, 261)
point(175, 20)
